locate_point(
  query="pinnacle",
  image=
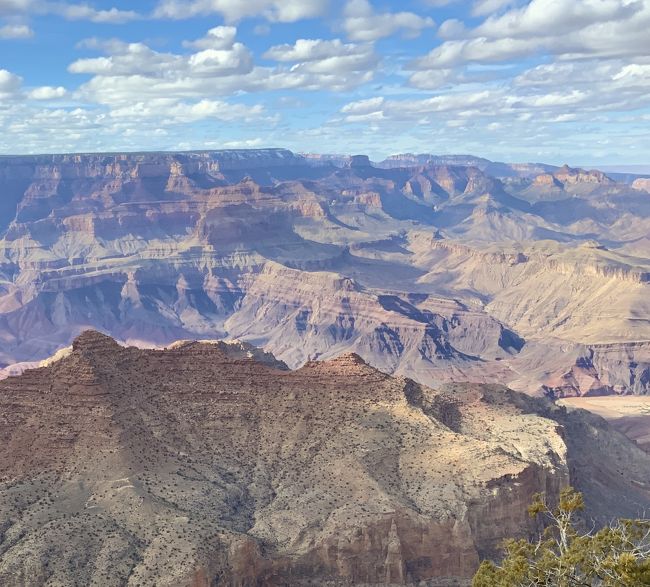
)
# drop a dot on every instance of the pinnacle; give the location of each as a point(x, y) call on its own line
point(92, 340)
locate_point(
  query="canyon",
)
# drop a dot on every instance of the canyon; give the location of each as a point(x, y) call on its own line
point(438, 268)
point(212, 463)
point(264, 368)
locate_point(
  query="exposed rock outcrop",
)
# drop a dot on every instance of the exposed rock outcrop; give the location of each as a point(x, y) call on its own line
point(641, 184)
point(198, 465)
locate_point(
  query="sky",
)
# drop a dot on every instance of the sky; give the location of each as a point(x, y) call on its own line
point(559, 81)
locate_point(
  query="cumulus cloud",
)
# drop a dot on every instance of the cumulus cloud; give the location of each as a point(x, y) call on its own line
point(541, 18)
point(221, 66)
point(69, 11)
point(245, 144)
point(455, 53)
point(362, 23)
point(312, 50)
point(485, 7)
point(180, 112)
point(47, 93)
point(10, 85)
point(321, 57)
point(86, 12)
point(16, 31)
point(234, 10)
point(220, 37)
point(15, 6)
point(569, 29)
point(524, 74)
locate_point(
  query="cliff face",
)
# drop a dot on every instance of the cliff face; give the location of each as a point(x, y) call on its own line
point(199, 464)
point(427, 267)
point(568, 176)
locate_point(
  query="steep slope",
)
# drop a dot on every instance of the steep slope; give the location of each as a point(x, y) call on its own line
point(200, 464)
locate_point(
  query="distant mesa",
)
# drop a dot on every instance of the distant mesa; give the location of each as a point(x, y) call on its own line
point(569, 175)
point(360, 161)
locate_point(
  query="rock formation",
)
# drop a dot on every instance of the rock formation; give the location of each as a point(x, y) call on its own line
point(445, 268)
point(211, 463)
point(642, 184)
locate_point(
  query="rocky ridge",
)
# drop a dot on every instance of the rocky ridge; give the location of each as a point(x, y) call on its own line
point(199, 464)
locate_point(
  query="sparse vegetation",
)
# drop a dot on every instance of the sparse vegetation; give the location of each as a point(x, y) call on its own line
point(565, 555)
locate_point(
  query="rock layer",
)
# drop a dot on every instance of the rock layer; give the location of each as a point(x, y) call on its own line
point(439, 268)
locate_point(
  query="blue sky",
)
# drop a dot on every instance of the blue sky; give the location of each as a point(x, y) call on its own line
point(517, 80)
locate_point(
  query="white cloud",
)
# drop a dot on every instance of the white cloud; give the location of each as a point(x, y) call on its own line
point(485, 7)
point(331, 57)
point(66, 10)
point(311, 50)
point(179, 112)
point(15, 6)
point(362, 23)
point(590, 63)
point(133, 59)
point(481, 50)
point(10, 85)
point(541, 18)
point(218, 62)
point(463, 103)
point(367, 106)
point(220, 37)
point(569, 29)
point(86, 12)
point(234, 10)
point(128, 59)
point(245, 144)
point(130, 71)
point(452, 29)
point(47, 93)
point(561, 99)
point(154, 124)
point(434, 79)
point(16, 31)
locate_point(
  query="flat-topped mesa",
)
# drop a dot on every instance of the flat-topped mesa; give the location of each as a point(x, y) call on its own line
point(360, 162)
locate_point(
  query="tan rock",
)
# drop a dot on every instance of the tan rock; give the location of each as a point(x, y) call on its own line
point(199, 464)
